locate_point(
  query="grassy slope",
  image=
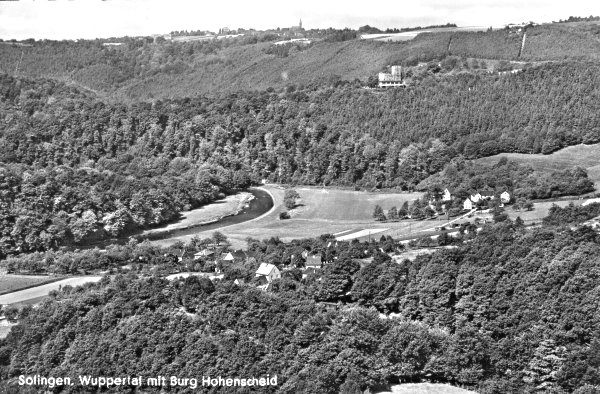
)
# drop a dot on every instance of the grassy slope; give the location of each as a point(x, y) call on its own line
point(586, 156)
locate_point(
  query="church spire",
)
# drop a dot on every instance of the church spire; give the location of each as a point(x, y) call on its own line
point(300, 25)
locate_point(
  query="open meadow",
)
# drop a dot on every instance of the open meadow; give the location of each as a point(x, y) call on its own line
point(585, 156)
point(320, 211)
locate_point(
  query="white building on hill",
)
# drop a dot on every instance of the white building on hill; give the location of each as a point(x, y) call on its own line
point(393, 79)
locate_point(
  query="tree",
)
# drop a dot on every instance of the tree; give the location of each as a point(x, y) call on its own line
point(378, 214)
point(393, 213)
point(290, 198)
point(218, 237)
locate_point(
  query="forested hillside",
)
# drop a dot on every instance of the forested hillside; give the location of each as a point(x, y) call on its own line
point(512, 311)
point(66, 154)
point(139, 69)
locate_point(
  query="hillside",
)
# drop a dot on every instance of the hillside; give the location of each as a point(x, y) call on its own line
point(585, 156)
point(142, 70)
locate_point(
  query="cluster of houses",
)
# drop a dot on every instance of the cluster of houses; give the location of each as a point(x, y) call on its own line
point(475, 198)
point(266, 272)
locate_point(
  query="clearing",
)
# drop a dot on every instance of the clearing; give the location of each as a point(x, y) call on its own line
point(320, 211)
point(38, 292)
point(586, 156)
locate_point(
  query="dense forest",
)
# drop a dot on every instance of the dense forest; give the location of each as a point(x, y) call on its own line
point(510, 311)
point(78, 168)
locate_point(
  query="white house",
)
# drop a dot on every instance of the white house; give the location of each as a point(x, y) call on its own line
point(227, 257)
point(268, 271)
point(468, 204)
point(447, 195)
point(505, 197)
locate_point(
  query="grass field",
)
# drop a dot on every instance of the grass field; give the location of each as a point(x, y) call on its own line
point(540, 211)
point(426, 388)
point(10, 283)
point(586, 156)
point(321, 211)
point(345, 213)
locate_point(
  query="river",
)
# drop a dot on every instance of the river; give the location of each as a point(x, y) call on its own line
point(259, 205)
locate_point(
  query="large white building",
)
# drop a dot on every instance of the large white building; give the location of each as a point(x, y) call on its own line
point(393, 79)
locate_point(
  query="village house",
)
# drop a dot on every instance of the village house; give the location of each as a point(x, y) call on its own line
point(468, 204)
point(226, 257)
point(447, 196)
point(505, 197)
point(266, 274)
point(314, 261)
point(268, 271)
point(203, 254)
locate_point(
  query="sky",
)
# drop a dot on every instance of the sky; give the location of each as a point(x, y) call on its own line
point(74, 19)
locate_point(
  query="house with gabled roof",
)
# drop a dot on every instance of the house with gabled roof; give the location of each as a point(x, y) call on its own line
point(505, 197)
point(468, 204)
point(314, 261)
point(447, 196)
point(204, 254)
point(268, 271)
point(226, 257)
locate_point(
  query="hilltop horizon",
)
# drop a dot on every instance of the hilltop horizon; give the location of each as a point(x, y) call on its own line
point(102, 19)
